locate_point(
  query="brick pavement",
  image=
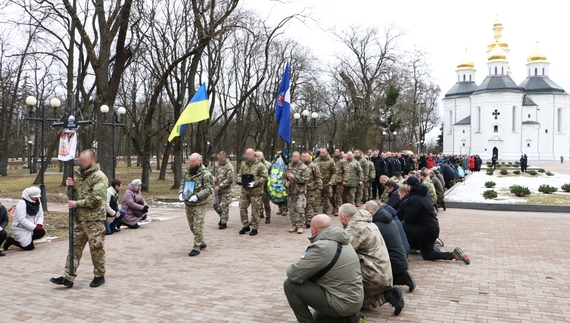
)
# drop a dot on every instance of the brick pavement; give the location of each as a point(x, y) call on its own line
point(519, 273)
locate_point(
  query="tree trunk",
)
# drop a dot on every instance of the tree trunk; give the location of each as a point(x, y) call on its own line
point(165, 157)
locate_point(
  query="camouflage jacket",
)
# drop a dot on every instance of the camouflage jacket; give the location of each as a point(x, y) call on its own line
point(341, 171)
point(355, 174)
point(371, 249)
point(297, 184)
point(371, 170)
point(224, 176)
point(364, 165)
point(327, 167)
point(431, 189)
point(315, 178)
point(398, 180)
point(260, 175)
point(90, 192)
point(204, 187)
point(266, 164)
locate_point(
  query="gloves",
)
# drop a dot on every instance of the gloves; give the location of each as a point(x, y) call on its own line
point(250, 185)
point(39, 227)
point(180, 197)
point(122, 212)
point(194, 198)
point(239, 183)
point(145, 209)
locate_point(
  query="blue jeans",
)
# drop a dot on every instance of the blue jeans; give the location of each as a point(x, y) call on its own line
point(113, 224)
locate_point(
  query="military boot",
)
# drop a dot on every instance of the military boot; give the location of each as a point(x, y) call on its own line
point(268, 220)
point(293, 230)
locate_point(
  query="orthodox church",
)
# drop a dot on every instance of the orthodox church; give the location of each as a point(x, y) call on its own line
point(499, 117)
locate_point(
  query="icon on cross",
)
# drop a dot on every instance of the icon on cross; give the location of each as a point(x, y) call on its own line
point(496, 113)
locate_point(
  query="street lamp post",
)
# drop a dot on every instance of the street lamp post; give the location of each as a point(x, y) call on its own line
point(309, 122)
point(384, 133)
point(54, 103)
point(120, 112)
point(29, 148)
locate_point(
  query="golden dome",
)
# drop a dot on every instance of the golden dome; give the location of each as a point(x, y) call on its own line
point(466, 63)
point(497, 54)
point(498, 35)
point(537, 56)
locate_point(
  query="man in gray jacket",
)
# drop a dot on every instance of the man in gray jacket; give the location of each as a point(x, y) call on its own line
point(326, 278)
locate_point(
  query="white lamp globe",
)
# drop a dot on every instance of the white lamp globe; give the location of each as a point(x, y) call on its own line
point(297, 116)
point(55, 103)
point(305, 113)
point(31, 101)
point(314, 115)
point(121, 110)
point(104, 108)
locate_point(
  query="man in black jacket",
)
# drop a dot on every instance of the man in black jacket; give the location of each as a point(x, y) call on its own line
point(423, 161)
point(3, 225)
point(421, 225)
point(391, 234)
point(380, 169)
point(393, 197)
point(449, 175)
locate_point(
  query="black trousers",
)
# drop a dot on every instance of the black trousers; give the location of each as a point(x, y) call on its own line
point(3, 236)
point(377, 188)
point(424, 239)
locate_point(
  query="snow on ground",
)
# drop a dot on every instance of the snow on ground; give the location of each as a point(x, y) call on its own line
point(472, 189)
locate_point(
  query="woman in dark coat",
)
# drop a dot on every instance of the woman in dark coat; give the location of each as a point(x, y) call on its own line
point(134, 205)
point(421, 224)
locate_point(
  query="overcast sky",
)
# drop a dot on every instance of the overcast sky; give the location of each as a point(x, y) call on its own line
point(443, 28)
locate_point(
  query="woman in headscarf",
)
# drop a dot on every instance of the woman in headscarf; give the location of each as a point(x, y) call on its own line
point(134, 205)
point(28, 225)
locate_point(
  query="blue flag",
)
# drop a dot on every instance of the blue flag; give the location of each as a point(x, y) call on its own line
point(283, 106)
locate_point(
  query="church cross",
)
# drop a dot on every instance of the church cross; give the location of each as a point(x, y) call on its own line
point(496, 113)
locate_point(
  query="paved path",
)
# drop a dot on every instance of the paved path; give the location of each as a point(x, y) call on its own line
point(520, 272)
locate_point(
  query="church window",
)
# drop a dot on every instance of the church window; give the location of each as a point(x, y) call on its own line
point(463, 77)
point(463, 131)
point(559, 119)
point(529, 72)
point(529, 115)
point(535, 71)
point(545, 130)
point(463, 144)
point(502, 71)
point(458, 78)
point(450, 121)
point(478, 119)
point(543, 71)
point(489, 71)
point(514, 128)
point(528, 145)
point(496, 69)
point(495, 128)
point(469, 77)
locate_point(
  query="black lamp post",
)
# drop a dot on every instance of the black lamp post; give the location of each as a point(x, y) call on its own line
point(309, 122)
point(29, 149)
point(54, 103)
point(120, 112)
point(390, 138)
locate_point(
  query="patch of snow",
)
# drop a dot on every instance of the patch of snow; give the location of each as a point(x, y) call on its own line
point(46, 239)
point(471, 190)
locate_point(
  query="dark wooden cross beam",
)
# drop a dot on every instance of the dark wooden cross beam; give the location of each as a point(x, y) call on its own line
point(496, 113)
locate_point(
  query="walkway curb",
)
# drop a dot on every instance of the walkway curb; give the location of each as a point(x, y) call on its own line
point(509, 207)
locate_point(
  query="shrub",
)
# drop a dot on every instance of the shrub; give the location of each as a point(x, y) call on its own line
point(490, 194)
point(503, 163)
point(517, 172)
point(519, 191)
point(547, 189)
point(510, 163)
point(541, 170)
point(490, 184)
point(566, 187)
point(490, 171)
point(504, 172)
point(499, 165)
point(549, 174)
point(531, 172)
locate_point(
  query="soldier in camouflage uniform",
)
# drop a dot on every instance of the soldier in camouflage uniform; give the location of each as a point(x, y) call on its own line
point(371, 179)
point(339, 180)
point(314, 187)
point(252, 192)
point(385, 194)
point(365, 173)
point(196, 203)
point(328, 169)
point(355, 179)
point(89, 198)
point(265, 197)
point(223, 179)
point(296, 176)
point(367, 241)
point(426, 180)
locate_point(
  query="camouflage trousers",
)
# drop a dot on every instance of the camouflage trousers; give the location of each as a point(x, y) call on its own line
point(368, 190)
point(336, 198)
point(325, 198)
point(92, 232)
point(195, 216)
point(283, 209)
point(222, 202)
point(297, 204)
point(256, 202)
point(359, 194)
point(349, 194)
point(312, 207)
point(266, 205)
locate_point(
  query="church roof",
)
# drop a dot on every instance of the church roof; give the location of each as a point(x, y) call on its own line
point(540, 84)
point(498, 83)
point(464, 121)
point(528, 102)
point(461, 89)
point(531, 122)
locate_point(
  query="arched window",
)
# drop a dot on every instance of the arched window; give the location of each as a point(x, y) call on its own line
point(514, 124)
point(496, 69)
point(495, 128)
point(463, 144)
point(478, 119)
point(545, 130)
point(559, 121)
point(463, 77)
point(502, 71)
point(528, 145)
point(450, 121)
point(458, 78)
point(469, 77)
point(543, 71)
point(535, 71)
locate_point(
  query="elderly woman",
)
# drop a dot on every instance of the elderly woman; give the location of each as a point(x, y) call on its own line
point(134, 205)
point(28, 225)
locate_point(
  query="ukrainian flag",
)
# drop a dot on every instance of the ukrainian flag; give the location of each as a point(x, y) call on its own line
point(197, 110)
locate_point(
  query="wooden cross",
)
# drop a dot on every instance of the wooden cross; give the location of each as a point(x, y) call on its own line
point(496, 113)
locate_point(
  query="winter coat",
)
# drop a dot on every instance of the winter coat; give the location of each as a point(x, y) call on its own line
point(471, 163)
point(224, 176)
point(419, 210)
point(439, 191)
point(327, 167)
point(3, 217)
point(112, 202)
point(260, 176)
point(447, 172)
point(341, 171)
point(437, 173)
point(297, 184)
point(379, 165)
point(90, 192)
point(396, 220)
point(402, 207)
point(343, 283)
point(23, 225)
point(423, 162)
point(394, 198)
point(364, 166)
point(431, 189)
point(398, 180)
point(431, 162)
point(355, 173)
point(409, 163)
point(371, 171)
point(391, 234)
point(133, 205)
point(203, 187)
point(315, 181)
point(366, 239)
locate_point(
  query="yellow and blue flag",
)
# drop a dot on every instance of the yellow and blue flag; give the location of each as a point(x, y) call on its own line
point(197, 110)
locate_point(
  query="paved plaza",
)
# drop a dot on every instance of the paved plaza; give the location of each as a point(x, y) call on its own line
point(519, 272)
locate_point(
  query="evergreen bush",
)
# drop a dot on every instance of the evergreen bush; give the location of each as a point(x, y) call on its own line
point(547, 189)
point(504, 172)
point(490, 184)
point(541, 170)
point(566, 187)
point(517, 172)
point(490, 171)
point(549, 174)
point(531, 172)
point(519, 191)
point(490, 194)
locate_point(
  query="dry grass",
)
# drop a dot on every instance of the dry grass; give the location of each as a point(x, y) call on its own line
point(56, 224)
